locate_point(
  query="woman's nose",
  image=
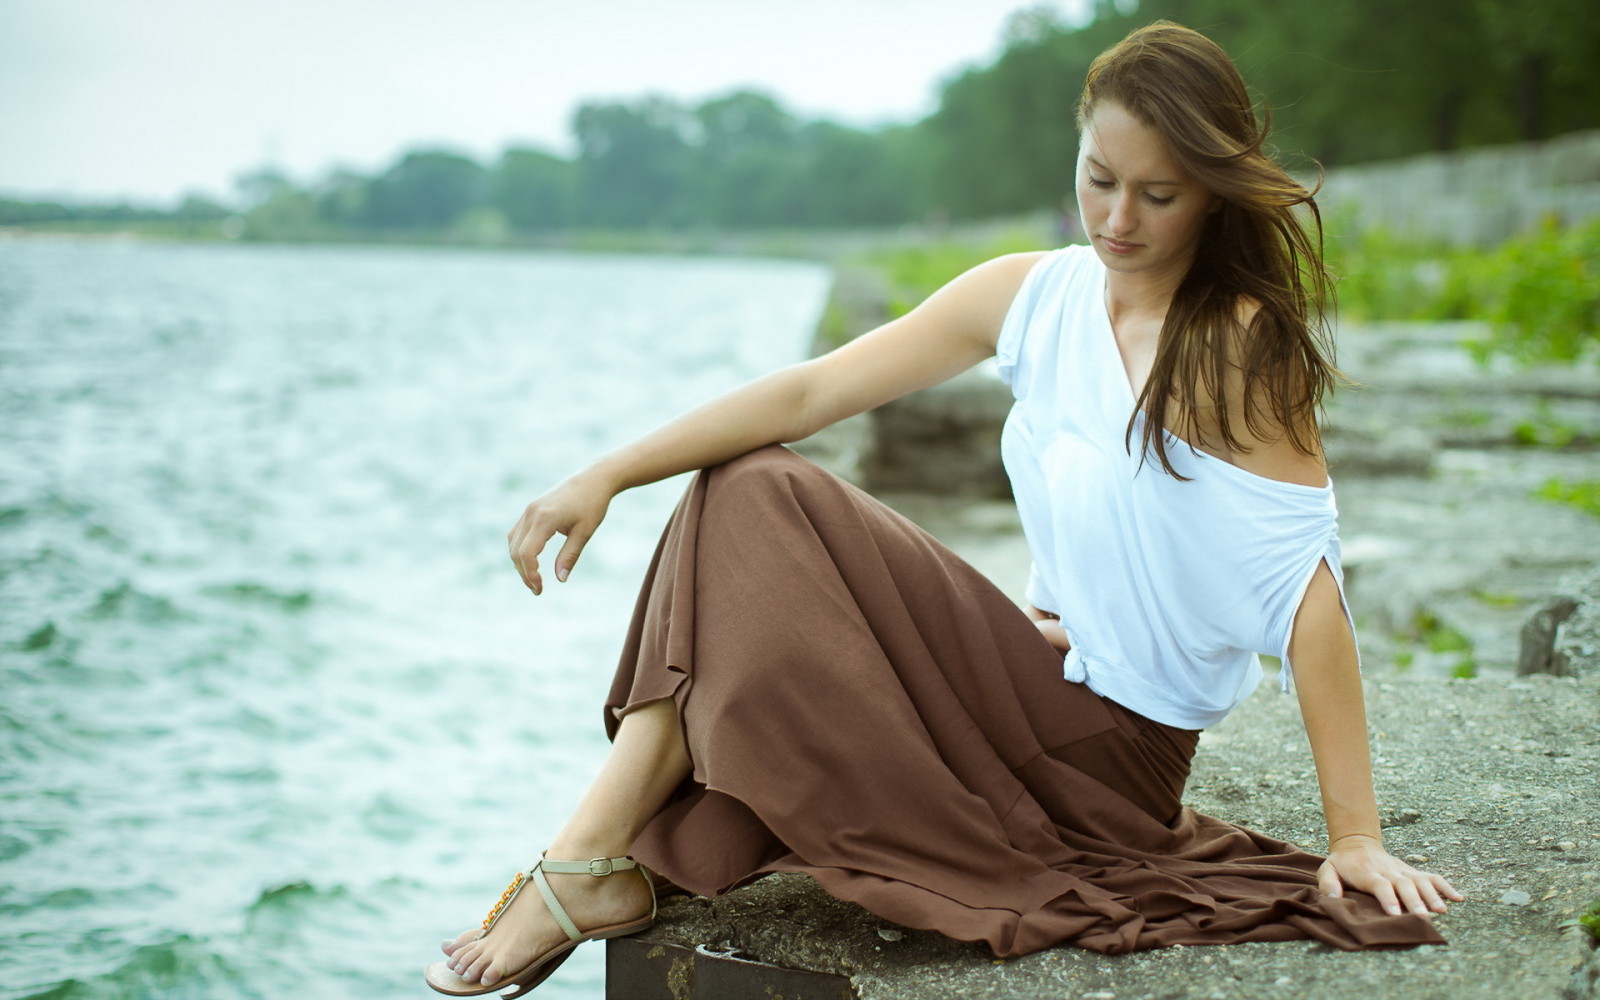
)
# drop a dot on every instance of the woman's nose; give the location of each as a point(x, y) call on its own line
point(1121, 220)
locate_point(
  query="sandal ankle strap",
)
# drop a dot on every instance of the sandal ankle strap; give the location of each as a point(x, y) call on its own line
point(597, 867)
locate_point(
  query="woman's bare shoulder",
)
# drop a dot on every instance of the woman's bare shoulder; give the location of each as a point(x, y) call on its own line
point(1267, 449)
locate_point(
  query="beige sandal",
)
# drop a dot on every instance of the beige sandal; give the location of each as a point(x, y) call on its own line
point(443, 978)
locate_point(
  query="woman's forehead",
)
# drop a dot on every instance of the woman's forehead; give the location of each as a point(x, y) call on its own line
point(1115, 140)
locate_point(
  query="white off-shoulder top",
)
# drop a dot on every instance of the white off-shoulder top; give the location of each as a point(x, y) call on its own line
point(1167, 589)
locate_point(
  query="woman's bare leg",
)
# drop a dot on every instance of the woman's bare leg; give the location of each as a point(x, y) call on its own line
point(647, 761)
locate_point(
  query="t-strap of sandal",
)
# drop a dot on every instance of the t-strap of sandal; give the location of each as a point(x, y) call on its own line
point(598, 867)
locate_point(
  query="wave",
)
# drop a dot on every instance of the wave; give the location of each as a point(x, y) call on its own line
point(127, 601)
point(179, 968)
point(251, 592)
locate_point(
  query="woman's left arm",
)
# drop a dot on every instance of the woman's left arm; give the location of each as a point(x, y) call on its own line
point(1323, 651)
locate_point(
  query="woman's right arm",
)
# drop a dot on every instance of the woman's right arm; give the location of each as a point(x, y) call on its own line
point(953, 330)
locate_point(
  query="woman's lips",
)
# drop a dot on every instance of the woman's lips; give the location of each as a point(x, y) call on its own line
point(1117, 246)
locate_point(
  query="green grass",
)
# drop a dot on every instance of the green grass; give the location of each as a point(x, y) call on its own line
point(915, 272)
point(1497, 599)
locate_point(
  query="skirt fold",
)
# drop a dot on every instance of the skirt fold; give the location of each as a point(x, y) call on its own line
point(862, 706)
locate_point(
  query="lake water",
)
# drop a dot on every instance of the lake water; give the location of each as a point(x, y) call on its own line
point(276, 715)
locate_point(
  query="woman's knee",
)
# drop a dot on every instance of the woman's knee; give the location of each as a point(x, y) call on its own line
point(766, 472)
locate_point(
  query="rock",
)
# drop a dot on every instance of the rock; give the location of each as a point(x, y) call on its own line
point(844, 448)
point(1562, 637)
point(1585, 983)
point(1577, 641)
point(1402, 817)
point(1515, 897)
point(890, 934)
point(1417, 859)
point(1537, 653)
point(944, 439)
point(1380, 450)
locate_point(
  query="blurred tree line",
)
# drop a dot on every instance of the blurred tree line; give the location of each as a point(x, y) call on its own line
point(1348, 81)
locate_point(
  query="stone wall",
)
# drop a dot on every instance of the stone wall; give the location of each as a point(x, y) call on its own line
point(1476, 197)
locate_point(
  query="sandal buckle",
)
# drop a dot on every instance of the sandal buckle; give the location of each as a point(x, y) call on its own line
point(601, 866)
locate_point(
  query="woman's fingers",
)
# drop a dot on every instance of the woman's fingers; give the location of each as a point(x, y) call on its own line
point(530, 537)
point(1328, 880)
point(1385, 894)
point(526, 540)
point(1430, 894)
point(577, 538)
point(1410, 896)
point(1051, 629)
point(1443, 885)
point(572, 508)
point(1398, 887)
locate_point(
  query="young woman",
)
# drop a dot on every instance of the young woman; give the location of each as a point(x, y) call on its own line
point(812, 684)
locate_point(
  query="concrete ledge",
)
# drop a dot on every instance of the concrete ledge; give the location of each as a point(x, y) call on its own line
point(1491, 781)
point(644, 968)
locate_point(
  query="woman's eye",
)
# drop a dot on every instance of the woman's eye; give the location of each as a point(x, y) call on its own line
point(1097, 182)
point(1160, 201)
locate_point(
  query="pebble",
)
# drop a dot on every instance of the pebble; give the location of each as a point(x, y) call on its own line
point(1100, 995)
point(1515, 897)
point(1417, 859)
point(1567, 845)
point(890, 934)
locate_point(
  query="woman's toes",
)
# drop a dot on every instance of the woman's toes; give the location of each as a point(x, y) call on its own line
point(452, 945)
point(464, 957)
point(476, 970)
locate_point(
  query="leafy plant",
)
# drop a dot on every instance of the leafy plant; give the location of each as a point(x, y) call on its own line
point(1588, 920)
point(1426, 631)
point(1543, 431)
point(1583, 494)
point(1543, 296)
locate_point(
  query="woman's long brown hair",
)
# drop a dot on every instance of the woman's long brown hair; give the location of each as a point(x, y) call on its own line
point(1254, 248)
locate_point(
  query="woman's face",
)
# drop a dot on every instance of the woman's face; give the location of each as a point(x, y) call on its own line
point(1140, 208)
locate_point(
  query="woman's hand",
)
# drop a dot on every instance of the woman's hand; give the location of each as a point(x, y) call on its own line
point(1050, 627)
point(573, 507)
point(1360, 862)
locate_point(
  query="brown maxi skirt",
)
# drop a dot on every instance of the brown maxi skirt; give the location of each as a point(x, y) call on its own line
point(862, 706)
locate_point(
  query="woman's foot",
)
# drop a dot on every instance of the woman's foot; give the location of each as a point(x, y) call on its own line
point(526, 929)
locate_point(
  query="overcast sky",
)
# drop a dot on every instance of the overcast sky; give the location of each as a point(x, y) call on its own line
point(150, 99)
